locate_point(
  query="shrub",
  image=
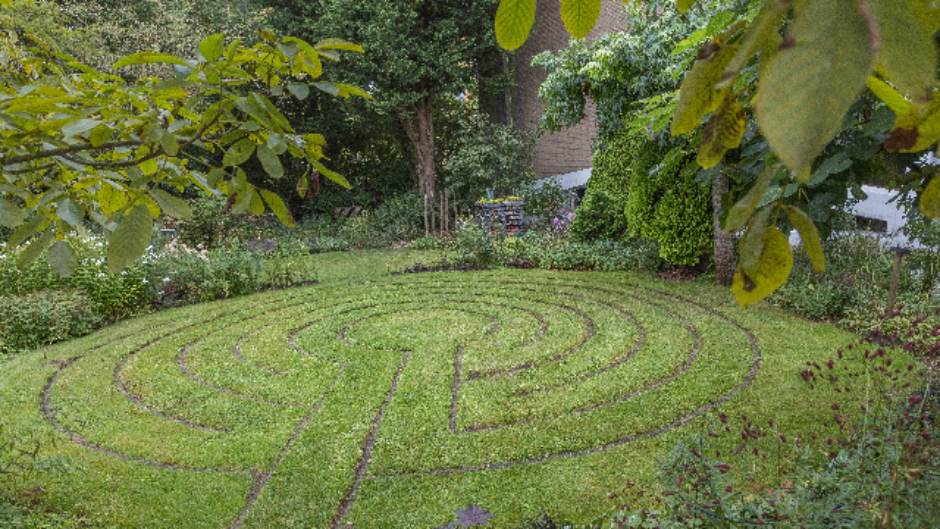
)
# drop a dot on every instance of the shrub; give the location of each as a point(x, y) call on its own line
point(209, 227)
point(472, 245)
point(544, 199)
point(34, 320)
point(601, 255)
point(600, 216)
point(879, 470)
point(667, 206)
point(191, 276)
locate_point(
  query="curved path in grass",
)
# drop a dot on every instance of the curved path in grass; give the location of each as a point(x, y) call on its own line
point(319, 406)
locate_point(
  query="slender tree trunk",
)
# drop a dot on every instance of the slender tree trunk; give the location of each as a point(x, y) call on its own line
point(426, 231)
point(724, 253)
point(419, 126)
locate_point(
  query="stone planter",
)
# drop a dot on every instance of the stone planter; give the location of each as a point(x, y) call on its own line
point(505, 218)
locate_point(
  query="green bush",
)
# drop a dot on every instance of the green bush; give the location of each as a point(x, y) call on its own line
point(543, 200)
point(472, 245)
point(667, 206)
point(663, 204)
point(196, 276)
point(601, 255)
point(600, 216)
point(34, 320)
point(209, 227)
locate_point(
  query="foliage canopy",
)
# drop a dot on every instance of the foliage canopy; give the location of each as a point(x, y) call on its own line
point(83, 147)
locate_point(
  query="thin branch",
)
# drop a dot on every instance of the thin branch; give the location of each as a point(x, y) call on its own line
point(31, 169)
point(49, 153)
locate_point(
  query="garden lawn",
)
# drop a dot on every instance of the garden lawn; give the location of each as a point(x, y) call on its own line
point(390, 401)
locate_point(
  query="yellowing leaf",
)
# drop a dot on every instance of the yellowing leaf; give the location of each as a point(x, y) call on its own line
point(742, 210)
point(277, 206)
point(888, 95)
point(809, 235)
point(808, 86)
point(697, 95)
point(771, 272)
point(684, 5)
point(752, 242)
point(722, 132)
point(110, 199)
point(99, 135)
point(916, 129)
point(327, 172)
point(930, 199)
point(129, 239)
point(514, 20)
point(908, 55)
point(580, 16)
point(149, 167)
point(256, 205)
point(151, 206)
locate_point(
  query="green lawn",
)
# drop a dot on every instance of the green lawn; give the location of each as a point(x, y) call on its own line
point(389, 401)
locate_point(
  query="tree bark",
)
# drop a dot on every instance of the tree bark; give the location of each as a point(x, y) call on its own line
point(419, 126)
point(724, 253)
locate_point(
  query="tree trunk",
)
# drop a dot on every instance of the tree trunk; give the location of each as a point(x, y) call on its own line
point(724, 253)
point(419, 126)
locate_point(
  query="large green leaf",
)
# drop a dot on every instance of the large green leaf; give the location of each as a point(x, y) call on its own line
point(772, 270)
point(270, 161)
point(35, 249)
point(11, 215)
point(697, 95)
point(514, 20)
point(62, 259)
point(79, 126)
point(908, 54)
point(149, 57)
point(807, 88)
point(171, 205)
point(212, 47)
point(239, 153)
point(69, 211)
point(130, 238)
point(809, 235)
point(580, 16)
point(277, 206)
point(38, 222)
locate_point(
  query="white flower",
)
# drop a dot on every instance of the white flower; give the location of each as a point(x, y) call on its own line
point(101, 274)
point(123, 272)
point(144, 281)
point(166, 279)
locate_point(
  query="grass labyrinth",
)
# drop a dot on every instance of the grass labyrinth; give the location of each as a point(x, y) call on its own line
point(390, 403)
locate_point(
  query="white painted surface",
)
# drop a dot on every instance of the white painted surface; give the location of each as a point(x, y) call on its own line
point(570, 180)
point(878, 206)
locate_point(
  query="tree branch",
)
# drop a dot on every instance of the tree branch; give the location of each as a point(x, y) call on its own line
point(49, 153)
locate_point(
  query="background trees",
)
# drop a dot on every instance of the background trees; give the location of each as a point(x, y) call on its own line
point(417, 54)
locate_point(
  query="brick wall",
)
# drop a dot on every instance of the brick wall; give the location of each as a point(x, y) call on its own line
point(568, 150)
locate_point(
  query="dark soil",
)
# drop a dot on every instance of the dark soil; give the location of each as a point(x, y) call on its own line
point(455, 267)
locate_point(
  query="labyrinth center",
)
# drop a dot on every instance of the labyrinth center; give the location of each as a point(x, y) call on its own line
point(328, 395)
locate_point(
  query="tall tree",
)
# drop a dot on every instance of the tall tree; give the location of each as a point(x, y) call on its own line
point(416, 49)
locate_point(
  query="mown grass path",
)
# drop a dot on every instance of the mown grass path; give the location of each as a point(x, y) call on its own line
point(390, 402)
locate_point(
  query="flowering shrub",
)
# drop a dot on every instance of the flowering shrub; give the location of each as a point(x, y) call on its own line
point(31, 321)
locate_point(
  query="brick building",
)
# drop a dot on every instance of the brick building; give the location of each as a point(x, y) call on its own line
point(566, 153)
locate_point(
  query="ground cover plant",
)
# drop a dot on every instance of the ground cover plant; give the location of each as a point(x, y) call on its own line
point(391, 401)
